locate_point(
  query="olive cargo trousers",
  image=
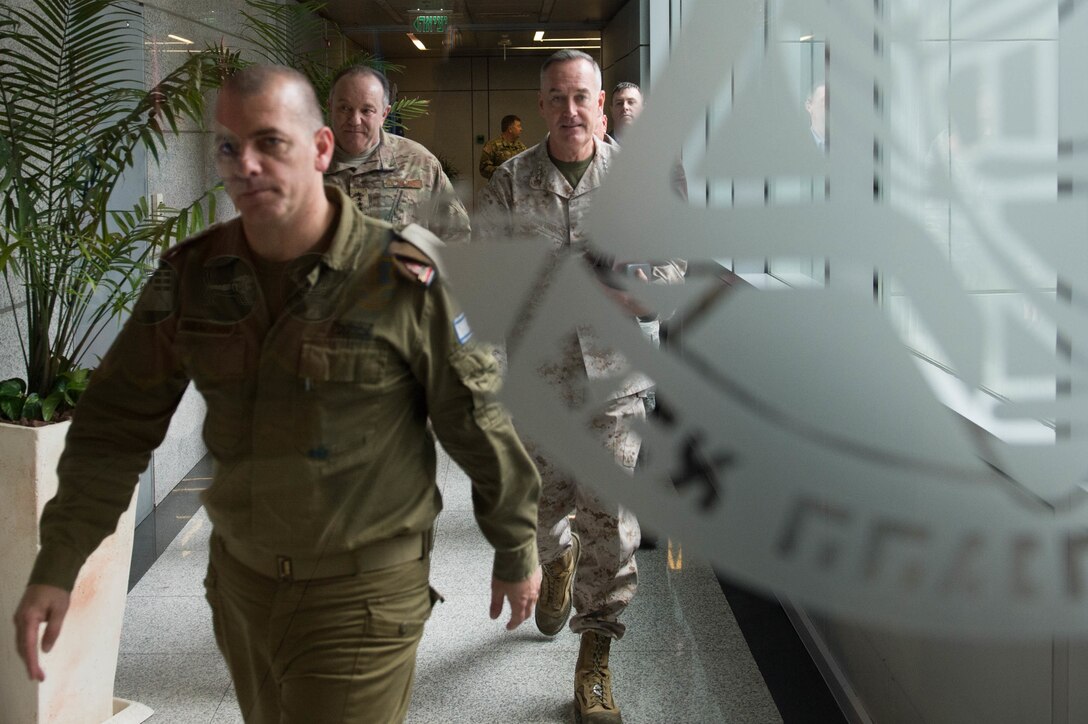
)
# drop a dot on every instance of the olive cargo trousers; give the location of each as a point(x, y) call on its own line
point(326, 651)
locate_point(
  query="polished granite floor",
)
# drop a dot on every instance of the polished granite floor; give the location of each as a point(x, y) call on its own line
point(684, 658)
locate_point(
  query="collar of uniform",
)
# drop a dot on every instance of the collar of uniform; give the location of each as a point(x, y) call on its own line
point(341, 159)
point(231, 247)
point(547, 177)
point(341, 252)
point(381, 158)
point(385, 156)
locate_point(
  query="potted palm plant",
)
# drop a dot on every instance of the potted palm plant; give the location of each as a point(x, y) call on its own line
point(72, 123)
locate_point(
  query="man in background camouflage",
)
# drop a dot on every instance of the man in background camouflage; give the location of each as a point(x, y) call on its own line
point(545, 193)
point(500, 149)
point(389, 177)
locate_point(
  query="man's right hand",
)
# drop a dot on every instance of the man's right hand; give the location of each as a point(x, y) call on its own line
point(521, 595)
point(40, 604)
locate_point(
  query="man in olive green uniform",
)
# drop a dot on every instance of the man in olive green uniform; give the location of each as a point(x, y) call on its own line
point(321, 341)
point(389, 177)
point(506, 146)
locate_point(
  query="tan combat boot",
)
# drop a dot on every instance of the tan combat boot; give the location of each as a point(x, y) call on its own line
point(557, 590)
point(593, 703)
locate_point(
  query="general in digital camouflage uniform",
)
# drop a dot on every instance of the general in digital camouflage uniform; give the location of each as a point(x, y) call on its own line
point(501, 149)
point(546, 193)
point(320, 356)
point(389, 177)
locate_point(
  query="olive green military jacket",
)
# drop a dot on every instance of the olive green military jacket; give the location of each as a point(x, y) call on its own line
point(403, 183)
point(317, 420)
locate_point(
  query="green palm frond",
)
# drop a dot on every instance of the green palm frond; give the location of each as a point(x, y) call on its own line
point(405, 109)
point(72, 122)
point(285, 33)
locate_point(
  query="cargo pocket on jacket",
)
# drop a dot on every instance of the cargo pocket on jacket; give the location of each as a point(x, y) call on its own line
point(478, 370)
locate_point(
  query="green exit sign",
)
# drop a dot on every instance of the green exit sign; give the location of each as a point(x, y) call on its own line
point(431, 23)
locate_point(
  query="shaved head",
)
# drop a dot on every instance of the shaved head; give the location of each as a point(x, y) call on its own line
point(257, 79)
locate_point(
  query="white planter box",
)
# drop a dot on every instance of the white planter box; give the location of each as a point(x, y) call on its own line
point(79, 672)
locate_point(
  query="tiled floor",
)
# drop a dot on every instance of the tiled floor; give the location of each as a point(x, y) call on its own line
point(683, 659)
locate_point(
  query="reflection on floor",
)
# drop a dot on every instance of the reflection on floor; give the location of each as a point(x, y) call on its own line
point(684, 658)
point(155, 533)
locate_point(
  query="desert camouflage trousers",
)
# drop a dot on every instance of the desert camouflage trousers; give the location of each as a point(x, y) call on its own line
point(607, 574)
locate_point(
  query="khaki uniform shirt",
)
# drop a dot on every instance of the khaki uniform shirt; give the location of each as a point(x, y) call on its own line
point(495, 152)
point(403, 182)
point(528, 197)
point(317, 420)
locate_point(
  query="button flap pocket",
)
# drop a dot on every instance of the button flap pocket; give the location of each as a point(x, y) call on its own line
point(329, 361)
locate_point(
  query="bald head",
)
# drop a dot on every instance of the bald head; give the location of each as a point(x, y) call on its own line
point(255, 80)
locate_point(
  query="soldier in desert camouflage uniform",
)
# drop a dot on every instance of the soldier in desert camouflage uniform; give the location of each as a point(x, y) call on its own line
point(506, 146)
point(546, 193)
point(388, 177)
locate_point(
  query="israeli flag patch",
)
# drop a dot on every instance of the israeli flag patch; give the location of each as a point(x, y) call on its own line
point(461, 329)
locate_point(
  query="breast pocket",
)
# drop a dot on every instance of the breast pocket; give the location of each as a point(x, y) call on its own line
point(555, 234)
point(340, 388)
point(383, 203)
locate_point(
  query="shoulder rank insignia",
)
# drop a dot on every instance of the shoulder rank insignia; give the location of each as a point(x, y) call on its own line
point(415, 254)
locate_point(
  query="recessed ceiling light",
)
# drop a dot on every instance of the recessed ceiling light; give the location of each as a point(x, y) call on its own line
point(538, 36)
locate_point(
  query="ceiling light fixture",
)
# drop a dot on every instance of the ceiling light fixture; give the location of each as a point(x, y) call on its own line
point(538, 36)
point(416, 41)
point(806, 38)
point(180, 39)
point(564, 40)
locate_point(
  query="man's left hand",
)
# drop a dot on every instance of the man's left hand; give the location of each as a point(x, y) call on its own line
point(521, 595)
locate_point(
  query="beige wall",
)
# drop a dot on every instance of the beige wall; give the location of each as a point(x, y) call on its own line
point(469, 97)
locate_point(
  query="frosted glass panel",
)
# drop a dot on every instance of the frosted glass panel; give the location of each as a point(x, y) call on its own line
point(898, 440)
